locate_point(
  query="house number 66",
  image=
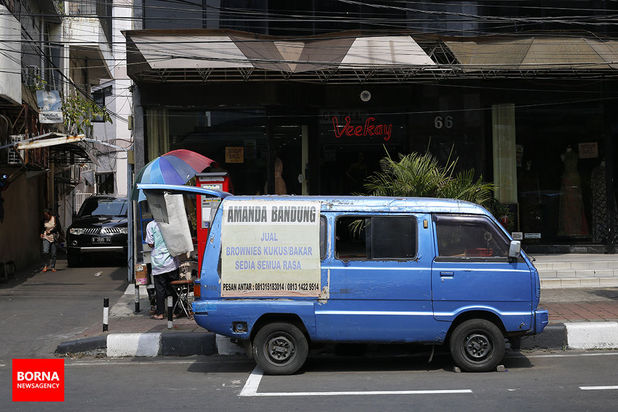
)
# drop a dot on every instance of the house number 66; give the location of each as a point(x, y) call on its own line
point(440, 122)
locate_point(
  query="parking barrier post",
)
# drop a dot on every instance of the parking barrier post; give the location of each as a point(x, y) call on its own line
point(105, 314)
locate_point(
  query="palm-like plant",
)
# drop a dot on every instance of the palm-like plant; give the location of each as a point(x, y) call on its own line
point(421, 175)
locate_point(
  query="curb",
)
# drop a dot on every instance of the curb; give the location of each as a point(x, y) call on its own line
point(553, 337)
point(145, 344)
point(82, 345)
point(579, 335)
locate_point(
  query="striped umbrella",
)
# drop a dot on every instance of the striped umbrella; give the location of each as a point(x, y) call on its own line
point(174, 168)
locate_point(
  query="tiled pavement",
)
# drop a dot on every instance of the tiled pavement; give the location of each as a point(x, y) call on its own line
point(582, 312)
point(580, 305)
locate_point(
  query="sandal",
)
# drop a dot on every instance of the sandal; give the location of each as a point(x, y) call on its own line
point(44, 269)
point(157, 317)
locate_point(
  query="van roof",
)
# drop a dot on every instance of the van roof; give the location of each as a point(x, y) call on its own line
point(376, 203)
point(341, 203)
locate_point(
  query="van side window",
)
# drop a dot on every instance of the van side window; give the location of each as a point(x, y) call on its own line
point(350, 237)
point(323, 237)
point(376, 237)
point(469, 237)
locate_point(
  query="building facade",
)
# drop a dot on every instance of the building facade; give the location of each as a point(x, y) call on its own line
point(63, 49)
point(316, 93)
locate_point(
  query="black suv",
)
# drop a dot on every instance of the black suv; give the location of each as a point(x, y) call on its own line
point(99, 227)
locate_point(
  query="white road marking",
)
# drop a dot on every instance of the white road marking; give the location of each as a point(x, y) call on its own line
point(357, 393)
point(154, 362)
point(254, 379)
point(569, 355)
point(598, 388)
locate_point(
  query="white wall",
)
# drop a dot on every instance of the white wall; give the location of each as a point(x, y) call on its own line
point(10, 56)
point(121, 105)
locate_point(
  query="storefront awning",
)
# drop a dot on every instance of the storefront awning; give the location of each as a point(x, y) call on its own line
point(224, 55)
point(236, 56)
point(50, 141)
point(534, 53)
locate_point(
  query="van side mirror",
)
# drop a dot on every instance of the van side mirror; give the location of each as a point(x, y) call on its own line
point(514, 249)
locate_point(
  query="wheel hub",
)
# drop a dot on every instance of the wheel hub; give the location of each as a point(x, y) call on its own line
point(477, 346)
point(280, 349)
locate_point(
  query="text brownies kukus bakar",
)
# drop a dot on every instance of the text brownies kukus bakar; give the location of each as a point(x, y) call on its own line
point(278, 214)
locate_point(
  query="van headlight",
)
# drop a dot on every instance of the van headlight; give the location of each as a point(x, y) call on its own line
point(76, 231)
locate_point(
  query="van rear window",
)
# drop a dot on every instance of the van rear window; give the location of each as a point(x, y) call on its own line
point(376, 237)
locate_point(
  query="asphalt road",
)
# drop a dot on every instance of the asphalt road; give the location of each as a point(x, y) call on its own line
point(534, 381)
point(40, 310)
point(43, 309)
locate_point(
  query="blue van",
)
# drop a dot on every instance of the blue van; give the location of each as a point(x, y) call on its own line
point(281, 272)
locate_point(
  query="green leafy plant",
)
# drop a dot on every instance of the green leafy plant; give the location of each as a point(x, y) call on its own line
point(421, 175)
point(79, 113)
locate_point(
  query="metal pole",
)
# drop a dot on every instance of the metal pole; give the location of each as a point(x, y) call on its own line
point(130, 255)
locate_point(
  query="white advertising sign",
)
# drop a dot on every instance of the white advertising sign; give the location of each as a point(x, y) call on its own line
point(50, 105)
point(270, 248)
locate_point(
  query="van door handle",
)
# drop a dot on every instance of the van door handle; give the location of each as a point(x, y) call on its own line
point(447, 274)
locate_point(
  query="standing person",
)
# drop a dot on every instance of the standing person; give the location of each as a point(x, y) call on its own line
point(49, 237)
point(164, 267)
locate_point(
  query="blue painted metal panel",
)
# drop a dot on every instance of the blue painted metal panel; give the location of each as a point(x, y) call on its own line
point(503, 288)
point(379, 300)
point(219, 315)
point(541, 319)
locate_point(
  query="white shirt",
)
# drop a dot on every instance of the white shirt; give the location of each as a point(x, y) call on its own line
point(160, 258)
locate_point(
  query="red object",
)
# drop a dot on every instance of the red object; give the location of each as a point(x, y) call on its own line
point(195, 160)
point(206, 204)
point(368, 128)
point(38, 380)
point(479, 252)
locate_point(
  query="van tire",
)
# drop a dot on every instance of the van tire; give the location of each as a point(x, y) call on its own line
point(477, 345)
point(280, 348)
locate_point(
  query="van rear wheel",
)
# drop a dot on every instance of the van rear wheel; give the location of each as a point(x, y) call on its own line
point(280, 348)
point(477, 345)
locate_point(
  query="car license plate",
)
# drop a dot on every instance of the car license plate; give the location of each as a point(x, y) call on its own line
point(101, 239)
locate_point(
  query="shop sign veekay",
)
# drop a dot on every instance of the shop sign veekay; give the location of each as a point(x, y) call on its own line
point(367, 128)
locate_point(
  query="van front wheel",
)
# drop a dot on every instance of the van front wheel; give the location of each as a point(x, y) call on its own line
point(477, 345)
point(280, 348)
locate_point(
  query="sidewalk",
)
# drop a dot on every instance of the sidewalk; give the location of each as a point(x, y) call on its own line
point(579, 319)
point(580, 305)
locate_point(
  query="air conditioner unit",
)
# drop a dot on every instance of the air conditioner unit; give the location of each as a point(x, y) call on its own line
point(15, 157)
point(32, 76)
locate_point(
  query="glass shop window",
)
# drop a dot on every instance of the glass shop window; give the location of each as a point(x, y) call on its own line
point(376, 237)
point(469, 237)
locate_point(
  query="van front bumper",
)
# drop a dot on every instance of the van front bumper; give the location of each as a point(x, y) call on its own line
point(541, 319)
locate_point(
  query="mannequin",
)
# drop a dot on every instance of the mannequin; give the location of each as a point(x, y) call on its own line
point(572, 219)
point(280, 187)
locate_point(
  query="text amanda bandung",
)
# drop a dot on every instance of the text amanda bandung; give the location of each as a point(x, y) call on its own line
point(278, 214)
